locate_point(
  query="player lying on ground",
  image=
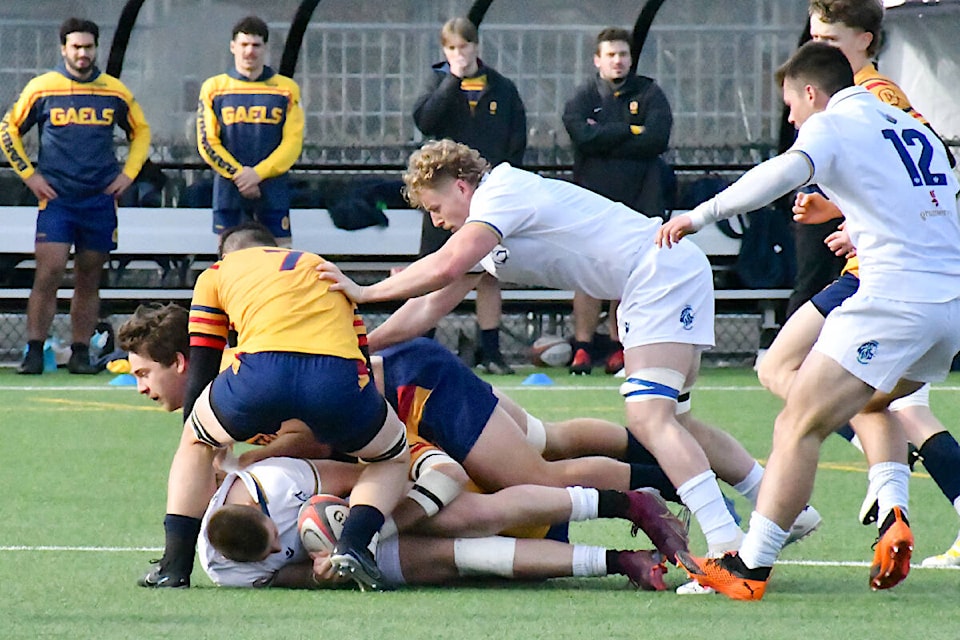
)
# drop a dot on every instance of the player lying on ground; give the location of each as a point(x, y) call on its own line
point(250, 539)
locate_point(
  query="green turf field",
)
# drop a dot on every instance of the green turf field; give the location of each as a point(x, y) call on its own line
point(84, 468)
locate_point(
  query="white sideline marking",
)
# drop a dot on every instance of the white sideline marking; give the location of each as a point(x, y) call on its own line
point(796, 563)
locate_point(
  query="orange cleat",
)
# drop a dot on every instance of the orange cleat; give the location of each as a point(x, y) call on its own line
point(892, 551)
point(727, 575)
point(582, 364)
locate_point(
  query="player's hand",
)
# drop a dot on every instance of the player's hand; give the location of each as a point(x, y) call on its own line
point(340, 282)
point(458, 66)
point(40, 187)
point(120, 184)
point(813, 208)
point(323, 571)
point(839, 243)
point(248, 182)
point(674, 229)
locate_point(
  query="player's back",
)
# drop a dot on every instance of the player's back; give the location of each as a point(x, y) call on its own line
point(890, 176)
point(275, 301)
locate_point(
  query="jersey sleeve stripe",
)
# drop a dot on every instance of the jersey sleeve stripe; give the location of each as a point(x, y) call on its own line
point(205, 309)
point(204, 340)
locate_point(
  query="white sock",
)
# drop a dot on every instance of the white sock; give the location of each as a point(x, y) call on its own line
point(585, 503)
point(749, 487)
point(891, 481)
point(763, 542)
point(702, 496)
point(589, 561)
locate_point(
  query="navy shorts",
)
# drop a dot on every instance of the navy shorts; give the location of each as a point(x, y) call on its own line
point(89, 224)
point(324, 391)
point(833, 295)
point(277, 220)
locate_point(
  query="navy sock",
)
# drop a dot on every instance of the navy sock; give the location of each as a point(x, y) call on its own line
point(941, 457)
point(650, 475)
point(612, 504)
point(181, 533)
point(360, 525)
point(577, 345)
point(35, 345)
point(490, 344)
point(638, 453)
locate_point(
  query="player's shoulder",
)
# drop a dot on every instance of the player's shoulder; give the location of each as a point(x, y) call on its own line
point(46, 81)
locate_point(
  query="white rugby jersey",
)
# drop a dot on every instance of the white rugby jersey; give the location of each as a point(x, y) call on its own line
point(890, 176)
point(556, 234)
point(281, 486)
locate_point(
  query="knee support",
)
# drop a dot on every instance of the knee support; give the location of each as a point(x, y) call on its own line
point(655, 383)
point(536, 433)
point(395, 450)
point(434, 490)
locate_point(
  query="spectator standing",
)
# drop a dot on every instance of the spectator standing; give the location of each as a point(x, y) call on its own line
point(470, 102)
point(619, 123)
point(250, 132)
point(77, 181)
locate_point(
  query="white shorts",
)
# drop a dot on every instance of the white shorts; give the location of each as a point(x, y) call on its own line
point(668, 298)
point(919, 398)
point(881, 341)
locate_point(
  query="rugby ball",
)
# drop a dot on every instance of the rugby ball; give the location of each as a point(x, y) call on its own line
point(551, 351)
point(321, 521)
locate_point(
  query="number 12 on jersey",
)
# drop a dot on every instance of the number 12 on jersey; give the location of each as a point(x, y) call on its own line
point(920, 173)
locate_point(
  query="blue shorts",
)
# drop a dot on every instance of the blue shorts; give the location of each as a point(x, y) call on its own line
point(277, 220)
point(89, 224)
point(323, 391)
point(833, 295)
point(458, 404)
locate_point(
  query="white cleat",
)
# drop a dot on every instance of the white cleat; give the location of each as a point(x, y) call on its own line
point(805, 524)
point(949, 559)
point(694, 588)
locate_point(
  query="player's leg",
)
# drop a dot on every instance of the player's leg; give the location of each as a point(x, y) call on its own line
point(614, 363)
point(440, 561)
point(796, 338)
point(51, 259)
point(278, 222)
point(656, 375)
point(85, 308)
point(489, 311)
point(586, 317)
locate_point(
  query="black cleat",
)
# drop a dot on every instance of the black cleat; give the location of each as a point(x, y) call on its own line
point(496, 367)
point(80, 362)
point(32, 364)
point(159, 578)
point(360, 566)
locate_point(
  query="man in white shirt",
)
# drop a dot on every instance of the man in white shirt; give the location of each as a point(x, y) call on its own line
point(532, 230)
point(890, 176)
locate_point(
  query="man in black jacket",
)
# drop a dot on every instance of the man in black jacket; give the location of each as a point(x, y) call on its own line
point(469, 102)
point(619, 124)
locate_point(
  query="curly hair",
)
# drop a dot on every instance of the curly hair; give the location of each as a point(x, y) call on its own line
point(157, 332)
point(439, 161)
point(865, 15)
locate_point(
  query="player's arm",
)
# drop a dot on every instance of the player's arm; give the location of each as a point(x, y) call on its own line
point(758, 187)
point(652, 137)
point(208, 327)
point(418, 315)
point(433, 107)
point(138, 133)
point(18, 120)
point(291, 144)
point(301, 575)
point(588, 134)
point(208, 137)
point(517, 144)
point(461, 253)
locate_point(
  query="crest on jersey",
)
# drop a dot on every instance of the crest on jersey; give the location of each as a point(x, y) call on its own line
point(687, 317)
point(867, 351)
point(500, 254)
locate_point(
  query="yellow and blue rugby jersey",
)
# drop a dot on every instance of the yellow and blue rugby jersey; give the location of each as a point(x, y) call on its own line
point(75, 119)
point(274, 300)
point(250, 123)
point(887, 91)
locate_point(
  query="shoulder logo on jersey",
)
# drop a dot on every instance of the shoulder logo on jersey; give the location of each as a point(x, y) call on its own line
point(889, 118)
point(289, 552)
point(60, 117)
point(867, 351)
point(500, 254)
point(687, 317)
point(251, 115)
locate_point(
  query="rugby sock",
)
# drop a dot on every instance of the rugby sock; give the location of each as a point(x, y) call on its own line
point(490, 345)
point(585, 503)
point(362, 522)
point(35, 345)
point(763, 542)
point(749, 487)
point(181, 533)
point(889, 481)
point(586, 346)
point(589, 561)
point(612, 504)
point(651, 475)
point(636, 452)
point(702, 496)
point(941, 457)
point(846, 432)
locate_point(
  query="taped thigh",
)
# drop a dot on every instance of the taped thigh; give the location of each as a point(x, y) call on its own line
point(206, 426)
point(390, 442)
point(654, 383)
